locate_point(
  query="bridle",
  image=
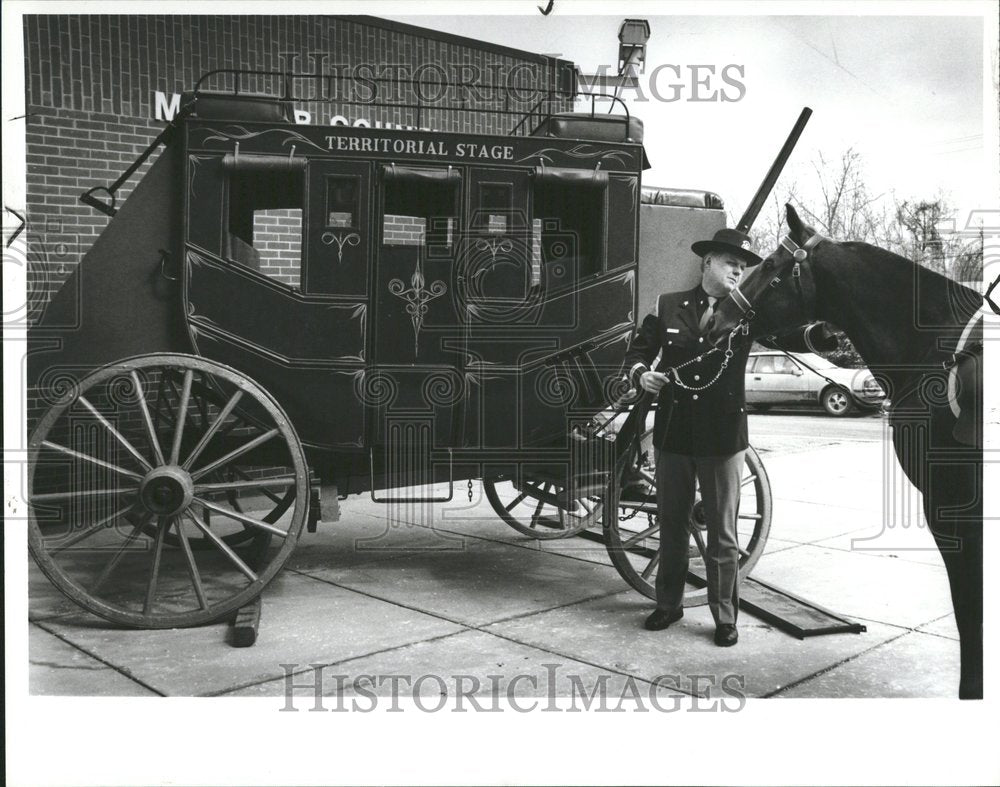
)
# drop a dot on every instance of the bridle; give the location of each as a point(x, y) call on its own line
point(805, 286)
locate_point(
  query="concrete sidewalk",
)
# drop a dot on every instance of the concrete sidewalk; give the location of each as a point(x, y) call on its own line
point(452, 591)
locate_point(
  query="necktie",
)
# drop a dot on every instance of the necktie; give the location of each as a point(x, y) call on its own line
point(703, 323)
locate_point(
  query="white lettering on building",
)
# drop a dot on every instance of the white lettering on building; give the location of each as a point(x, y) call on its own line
point(163, 109)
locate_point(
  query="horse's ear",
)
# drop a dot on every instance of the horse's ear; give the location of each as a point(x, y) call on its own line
point(795, 225)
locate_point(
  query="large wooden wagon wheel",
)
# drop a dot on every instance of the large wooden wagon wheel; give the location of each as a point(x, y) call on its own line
point(542, 508)
point(118, 500)
point(631, 528)
point(207, 398)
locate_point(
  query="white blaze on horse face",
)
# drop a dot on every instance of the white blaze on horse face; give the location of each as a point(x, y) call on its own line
point(720, 273)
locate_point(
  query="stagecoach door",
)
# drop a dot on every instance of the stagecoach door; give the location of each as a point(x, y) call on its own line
point(277, 281)
point(415, 384)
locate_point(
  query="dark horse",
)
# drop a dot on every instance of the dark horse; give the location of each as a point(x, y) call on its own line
point(921, 335)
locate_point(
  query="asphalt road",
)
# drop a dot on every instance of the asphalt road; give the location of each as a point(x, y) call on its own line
point(791, 430)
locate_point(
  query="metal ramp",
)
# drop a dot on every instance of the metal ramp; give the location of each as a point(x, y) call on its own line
point(781, 608)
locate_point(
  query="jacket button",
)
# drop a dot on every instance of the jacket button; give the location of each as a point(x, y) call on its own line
point(697, 377)
point(694, 396)
point(701, 339)
point(670, 341)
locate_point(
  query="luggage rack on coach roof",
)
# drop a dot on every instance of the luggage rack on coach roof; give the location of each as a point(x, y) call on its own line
point(548, 116)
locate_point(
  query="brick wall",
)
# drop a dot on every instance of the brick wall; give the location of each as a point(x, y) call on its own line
point(90, 99)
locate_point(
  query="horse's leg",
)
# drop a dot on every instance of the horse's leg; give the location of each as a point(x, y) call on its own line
point(953, 507)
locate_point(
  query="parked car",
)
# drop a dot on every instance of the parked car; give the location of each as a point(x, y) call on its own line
point(773, 378)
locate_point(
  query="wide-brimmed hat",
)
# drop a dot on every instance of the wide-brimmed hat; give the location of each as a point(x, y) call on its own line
point(733, 241)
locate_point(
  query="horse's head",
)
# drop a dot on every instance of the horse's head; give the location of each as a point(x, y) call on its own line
point(776, 295)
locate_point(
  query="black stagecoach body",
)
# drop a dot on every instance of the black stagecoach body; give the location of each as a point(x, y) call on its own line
point(278, 308)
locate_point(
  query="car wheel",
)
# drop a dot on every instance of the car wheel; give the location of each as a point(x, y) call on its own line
point(836, 401)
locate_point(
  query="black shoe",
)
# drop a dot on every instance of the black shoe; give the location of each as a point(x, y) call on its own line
point(726, 635)
point(663, 618)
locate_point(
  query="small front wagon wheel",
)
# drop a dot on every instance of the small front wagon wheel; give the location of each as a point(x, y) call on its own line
point(632, 528)
point(541, 509)
point(118, 497)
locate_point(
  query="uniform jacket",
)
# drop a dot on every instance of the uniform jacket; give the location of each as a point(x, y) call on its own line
point(712, 422)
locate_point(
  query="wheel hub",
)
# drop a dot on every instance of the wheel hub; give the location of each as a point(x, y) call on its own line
point(166, 491)
point(699, 519)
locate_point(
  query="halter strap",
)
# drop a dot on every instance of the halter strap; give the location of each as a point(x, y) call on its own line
point(740, 299)
point(801, 253)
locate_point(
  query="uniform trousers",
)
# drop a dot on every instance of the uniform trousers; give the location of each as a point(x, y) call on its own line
point(719, 478)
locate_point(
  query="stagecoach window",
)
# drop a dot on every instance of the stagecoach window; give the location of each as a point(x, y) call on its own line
point(265, 223)
point(419, 213)
point(342, 202)
point(571, 224)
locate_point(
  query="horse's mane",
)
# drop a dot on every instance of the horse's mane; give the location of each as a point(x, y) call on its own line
point(927, 276)
point(930, 283)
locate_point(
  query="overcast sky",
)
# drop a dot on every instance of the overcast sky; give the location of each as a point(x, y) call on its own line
point(907, 92)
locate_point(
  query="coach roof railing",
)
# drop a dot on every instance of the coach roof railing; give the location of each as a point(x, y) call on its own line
point(327, 89)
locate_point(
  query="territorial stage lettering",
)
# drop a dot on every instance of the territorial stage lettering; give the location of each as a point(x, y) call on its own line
point(421, 147)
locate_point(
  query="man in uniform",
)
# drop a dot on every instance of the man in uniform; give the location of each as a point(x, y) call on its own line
point(700, 432)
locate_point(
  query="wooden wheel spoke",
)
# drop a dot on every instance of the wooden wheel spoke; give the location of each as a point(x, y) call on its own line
point(640, 536)
point(94, 528)
point(222, 546)
point(163, 525)
point(699, 540)
point(192, 567)
point(267, 492)
point(147, 420)
point(182, 408)
point(748, 516)
point(520, 498)
point(210, 433)
point(240, 517)
point(226, 486)
point(59, 497)
point(116, 559)
point(748, 480)
point(92, 459)
point(651, 566)
point(224, 460)
point(538, 510)
point(115, 433)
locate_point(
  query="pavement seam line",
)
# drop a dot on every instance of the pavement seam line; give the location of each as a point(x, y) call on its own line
point(453, 620)
point(830, 668)
point(583, 661)
point(317, 665)
point(103, 661)
point(479, 627)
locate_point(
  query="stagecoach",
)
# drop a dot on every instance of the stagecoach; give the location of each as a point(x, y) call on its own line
point(279, 309)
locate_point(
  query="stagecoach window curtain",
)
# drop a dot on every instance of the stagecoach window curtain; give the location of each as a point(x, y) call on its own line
point(565, 176)
point(423, 191)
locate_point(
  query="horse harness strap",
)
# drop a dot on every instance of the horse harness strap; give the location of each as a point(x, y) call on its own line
point(804, 284)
